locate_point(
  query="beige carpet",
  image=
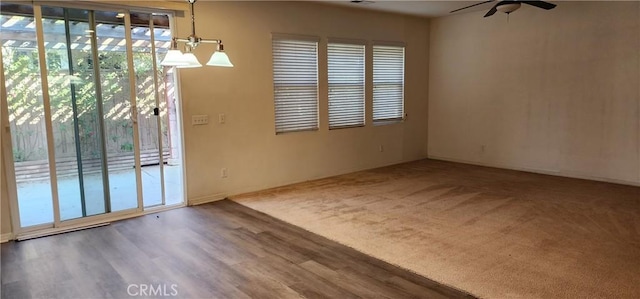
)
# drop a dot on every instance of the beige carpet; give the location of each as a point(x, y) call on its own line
point(494, 233)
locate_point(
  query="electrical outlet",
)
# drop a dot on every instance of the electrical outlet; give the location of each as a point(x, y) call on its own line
point(222, 118)
point(199, 120)
point(381, 148)
point(223, 173)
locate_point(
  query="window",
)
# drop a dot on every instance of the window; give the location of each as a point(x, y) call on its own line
point(388, 83)
point(295, 83)
point(346, 85)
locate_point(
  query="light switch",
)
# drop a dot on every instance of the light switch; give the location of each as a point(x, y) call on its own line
point(222, 118)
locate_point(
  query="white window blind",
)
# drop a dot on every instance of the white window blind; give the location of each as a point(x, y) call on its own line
point(346, 85)
point(388, 83)
point(295, 80)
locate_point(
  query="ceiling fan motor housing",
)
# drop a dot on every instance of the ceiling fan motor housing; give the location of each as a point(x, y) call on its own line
point(508, 6)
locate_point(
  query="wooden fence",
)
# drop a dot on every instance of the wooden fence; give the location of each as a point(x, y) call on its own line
point(35, 170)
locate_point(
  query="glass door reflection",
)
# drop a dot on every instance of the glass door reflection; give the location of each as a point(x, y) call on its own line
point(76, 118)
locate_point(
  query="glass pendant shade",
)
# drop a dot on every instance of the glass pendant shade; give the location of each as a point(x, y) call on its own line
point(220, 58)
point(191, 61)
point(173, 58)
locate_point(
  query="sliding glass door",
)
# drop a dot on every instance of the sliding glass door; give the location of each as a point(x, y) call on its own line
point(84, 98)
point(22, 97)
point(76, 104)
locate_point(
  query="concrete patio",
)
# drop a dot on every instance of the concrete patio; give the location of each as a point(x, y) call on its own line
point(36, 207)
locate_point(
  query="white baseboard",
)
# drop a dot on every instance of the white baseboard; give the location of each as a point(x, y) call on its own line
point(205, 199)
point(259, 188)
point(6, 237)
point(539, 171)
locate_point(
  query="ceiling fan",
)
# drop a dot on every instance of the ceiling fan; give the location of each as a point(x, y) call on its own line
point(509, 6)
point(362, 1)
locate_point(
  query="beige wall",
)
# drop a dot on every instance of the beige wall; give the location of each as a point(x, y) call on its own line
point(247, 145)
point(552, 91)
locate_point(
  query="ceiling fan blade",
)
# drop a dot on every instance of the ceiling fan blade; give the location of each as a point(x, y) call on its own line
point(470, 6)
point(493, 10)
point(540, 4)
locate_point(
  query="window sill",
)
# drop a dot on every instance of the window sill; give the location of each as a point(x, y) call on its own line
point(388, 122)
point(346, 127)
point(297, 131)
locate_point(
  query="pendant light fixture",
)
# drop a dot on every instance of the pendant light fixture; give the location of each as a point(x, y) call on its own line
point(176, 58)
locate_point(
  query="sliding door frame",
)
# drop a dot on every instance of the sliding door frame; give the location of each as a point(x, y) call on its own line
point(59, 226)
point(7, 157)
point(46, 101)
point(156, 110)
point(133, 95)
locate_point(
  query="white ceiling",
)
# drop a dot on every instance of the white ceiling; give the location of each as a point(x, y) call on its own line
point(424, 8)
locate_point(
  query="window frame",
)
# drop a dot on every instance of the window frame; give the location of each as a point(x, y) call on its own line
point(275, 37)
point(348, 42)
point(388, 44)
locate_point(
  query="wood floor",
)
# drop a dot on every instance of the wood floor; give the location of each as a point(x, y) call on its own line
point(218, 250)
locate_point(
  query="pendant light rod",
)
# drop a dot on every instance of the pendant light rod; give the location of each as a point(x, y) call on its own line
point(176, 59)
point(193, 17)
point(194, 40)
